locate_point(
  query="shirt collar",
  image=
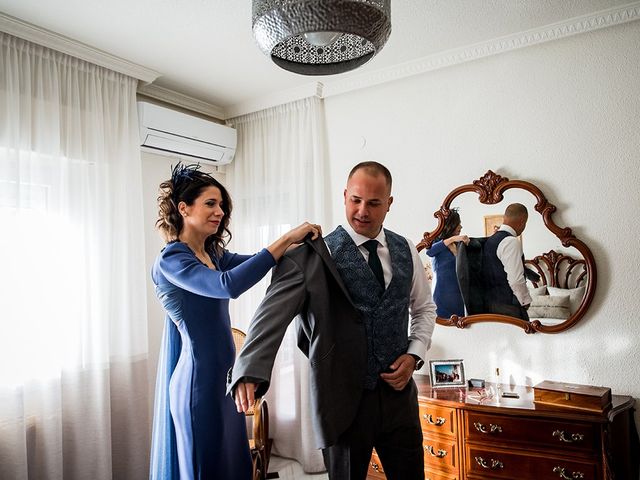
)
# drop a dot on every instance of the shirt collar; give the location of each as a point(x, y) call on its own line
point(360, 239)
point(507, 228)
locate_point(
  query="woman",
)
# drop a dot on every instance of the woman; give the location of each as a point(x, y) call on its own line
point(447, 292)
point(197, 432)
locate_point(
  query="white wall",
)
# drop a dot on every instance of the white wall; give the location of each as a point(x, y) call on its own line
point(155, 170)
point(563, 115)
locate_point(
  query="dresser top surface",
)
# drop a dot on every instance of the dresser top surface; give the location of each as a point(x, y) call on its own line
point(488, 399)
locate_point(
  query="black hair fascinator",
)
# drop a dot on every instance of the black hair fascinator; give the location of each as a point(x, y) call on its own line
point(182, 175)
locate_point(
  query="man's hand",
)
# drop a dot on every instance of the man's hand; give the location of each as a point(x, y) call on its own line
point(244, 396)
point(402, 368)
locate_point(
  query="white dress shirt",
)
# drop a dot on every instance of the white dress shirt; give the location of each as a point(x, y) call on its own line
point(509, 252)
point(422, 309)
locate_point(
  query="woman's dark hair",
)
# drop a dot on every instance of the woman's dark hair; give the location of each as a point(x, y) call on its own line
point(186, 184)
point(450, 224)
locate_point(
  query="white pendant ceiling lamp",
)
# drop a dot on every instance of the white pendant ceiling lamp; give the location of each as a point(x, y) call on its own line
point(321, 37)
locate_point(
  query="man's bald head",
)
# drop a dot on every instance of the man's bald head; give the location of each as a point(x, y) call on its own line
point(516, 216)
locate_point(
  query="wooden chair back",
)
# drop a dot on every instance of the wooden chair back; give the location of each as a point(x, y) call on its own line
point(258, 413)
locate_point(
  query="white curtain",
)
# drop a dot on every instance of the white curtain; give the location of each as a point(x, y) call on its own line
point(73, 382)
point(278, 179)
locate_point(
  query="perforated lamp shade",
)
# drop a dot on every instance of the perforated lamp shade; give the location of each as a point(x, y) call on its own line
point(321, 37)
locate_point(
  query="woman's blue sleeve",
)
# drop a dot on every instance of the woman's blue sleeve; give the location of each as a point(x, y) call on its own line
point(180, 267)
point(436, 248)
point(231, 260)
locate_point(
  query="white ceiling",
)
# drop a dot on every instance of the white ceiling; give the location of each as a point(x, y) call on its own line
point(205, 48)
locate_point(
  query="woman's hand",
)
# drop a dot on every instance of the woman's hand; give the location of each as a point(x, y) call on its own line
point(464, 239)
point(457, 238)
point(295, 236)
point(298, 234)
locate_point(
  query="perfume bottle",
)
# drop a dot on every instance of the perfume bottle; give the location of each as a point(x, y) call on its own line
point(498, 381)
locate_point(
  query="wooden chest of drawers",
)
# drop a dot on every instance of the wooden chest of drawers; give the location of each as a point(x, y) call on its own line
point(375, 467)
point(440, 429)
point(515, 439)
point(504, 446)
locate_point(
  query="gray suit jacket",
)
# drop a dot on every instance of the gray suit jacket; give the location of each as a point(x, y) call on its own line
point(305, 284)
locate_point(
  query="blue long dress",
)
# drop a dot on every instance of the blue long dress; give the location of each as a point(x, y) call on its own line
point(447, 294)
point(197, 432)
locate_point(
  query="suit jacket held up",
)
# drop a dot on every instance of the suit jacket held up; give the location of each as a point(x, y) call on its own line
point(330, 332)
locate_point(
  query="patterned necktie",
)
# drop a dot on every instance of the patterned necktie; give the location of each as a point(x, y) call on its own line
point(374, 260)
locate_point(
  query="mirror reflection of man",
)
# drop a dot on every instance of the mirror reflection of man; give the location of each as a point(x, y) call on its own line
point(503, 266)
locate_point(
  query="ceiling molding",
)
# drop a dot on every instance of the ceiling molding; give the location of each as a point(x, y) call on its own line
point(556, 31)
point(312, 89)
point(547, 33)
point(181, 100)
point(18, 28)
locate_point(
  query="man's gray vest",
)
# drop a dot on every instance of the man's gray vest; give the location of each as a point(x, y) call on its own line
point(385, 313)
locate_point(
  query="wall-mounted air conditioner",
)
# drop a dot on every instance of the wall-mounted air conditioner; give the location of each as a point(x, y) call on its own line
point(169, 132)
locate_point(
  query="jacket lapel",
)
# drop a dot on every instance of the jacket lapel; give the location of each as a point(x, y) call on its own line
point(321, 249)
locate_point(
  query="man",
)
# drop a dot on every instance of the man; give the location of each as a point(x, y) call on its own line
point(354, 294)
point(503, 266)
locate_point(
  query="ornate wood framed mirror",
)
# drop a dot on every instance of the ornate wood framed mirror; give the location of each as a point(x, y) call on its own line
point(564, 265)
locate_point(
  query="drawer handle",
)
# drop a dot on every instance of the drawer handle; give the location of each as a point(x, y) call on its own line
point(439, 421)
point(441, 453)
point(563, 474)
point(495, 464)
point(375, 466)
point(492, 428)
point(575, 437)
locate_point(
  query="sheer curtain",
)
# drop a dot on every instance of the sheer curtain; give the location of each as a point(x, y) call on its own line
point(73, 382)
point(278, 179)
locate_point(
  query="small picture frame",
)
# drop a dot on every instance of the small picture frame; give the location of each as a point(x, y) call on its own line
point(492, 224)
point(447, 373)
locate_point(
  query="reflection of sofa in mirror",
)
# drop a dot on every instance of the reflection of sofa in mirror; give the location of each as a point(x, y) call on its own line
point(562, 286)
point(567, 274)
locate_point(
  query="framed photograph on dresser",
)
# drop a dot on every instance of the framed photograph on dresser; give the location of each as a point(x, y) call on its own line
point(447, 373)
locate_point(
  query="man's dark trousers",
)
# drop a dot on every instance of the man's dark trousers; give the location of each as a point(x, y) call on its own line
point(389, 421)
